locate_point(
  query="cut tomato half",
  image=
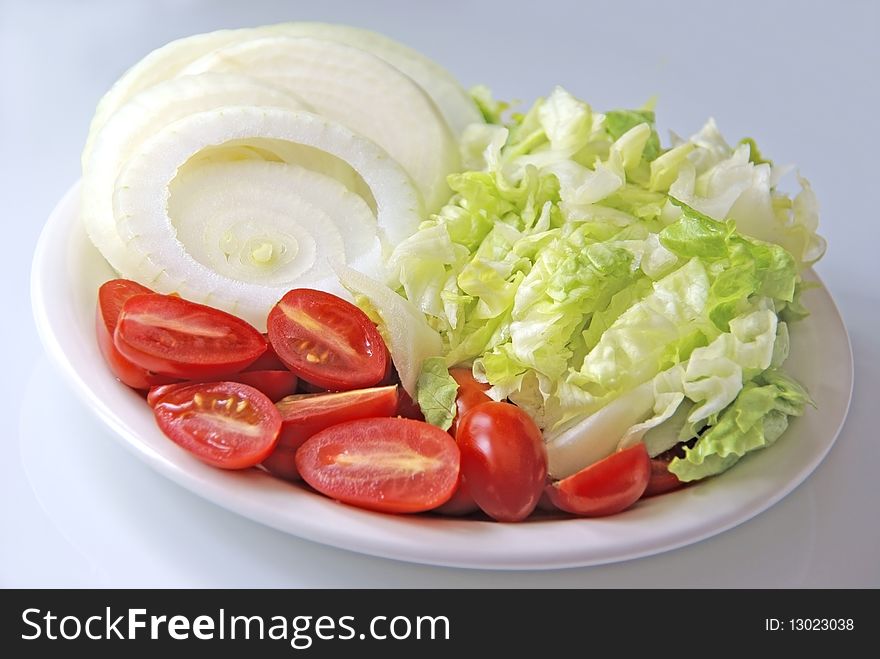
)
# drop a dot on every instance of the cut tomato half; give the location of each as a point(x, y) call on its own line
point(304, 415)
point(111, 296)
point(327, 341)
point(607, 487)
point(179, 338)
point(391, 465)
point(224, 424)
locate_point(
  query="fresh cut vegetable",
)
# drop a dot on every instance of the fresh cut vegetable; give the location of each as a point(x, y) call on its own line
point(610, 286)
point(391, 465)
point(344, 269)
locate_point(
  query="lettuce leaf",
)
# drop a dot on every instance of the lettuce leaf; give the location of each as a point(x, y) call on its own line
point(435, 393)
point(755, 420)
point(618, 122)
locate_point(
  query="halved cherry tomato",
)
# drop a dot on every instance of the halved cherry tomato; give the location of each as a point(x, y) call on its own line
point(392, 465)
point(111, 296)
point(224, 424)
point(470, 394)
point(662, 480)
point(179, 338)
point(503, 460)
point(327, 341)
point(609, 486)
point(268, 361)
point(275, 384)
point(305, 415)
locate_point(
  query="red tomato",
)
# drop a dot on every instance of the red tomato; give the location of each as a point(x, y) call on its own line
point(275, 384)
point(408, 408)
point(461, 502)
point(327, 341)
point(470, 394)
point(503, 460)
point(268, 361)
point(307, 414)
point(175, 337)
point(609, 486)
point(662, 480)
point(111, 296)
point(158, 393)
point(545, 504)
point(224, 424)
point(391, 465)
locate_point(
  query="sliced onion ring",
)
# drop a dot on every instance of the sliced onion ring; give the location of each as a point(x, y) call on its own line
point(143, 191)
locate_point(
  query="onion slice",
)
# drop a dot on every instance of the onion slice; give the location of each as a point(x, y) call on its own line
point(270, 223)
point(158, 66)
point(360, 91)
point(162, 261)
point(137, 121)
point(456, 105)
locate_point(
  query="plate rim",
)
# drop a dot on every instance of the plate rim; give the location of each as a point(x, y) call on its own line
point(352, 540)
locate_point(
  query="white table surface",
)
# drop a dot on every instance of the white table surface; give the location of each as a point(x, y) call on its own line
point(76, 509)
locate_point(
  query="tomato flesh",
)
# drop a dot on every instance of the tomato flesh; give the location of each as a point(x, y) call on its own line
point(111, 296)
point(607, 487)
point(327, 341)
point(179, 338)
point(391, 465)
point(275, 384)
point(268, 361)
point(224, 424)
point(503, 460)
point(305, 415)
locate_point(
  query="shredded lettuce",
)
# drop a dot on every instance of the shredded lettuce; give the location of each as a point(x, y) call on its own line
point(756, 419)
point(580, 262)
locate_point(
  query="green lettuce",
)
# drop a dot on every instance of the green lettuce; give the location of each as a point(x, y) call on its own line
point(435, 393)
point(580, 262)
point(618, 122)
point(756, 419)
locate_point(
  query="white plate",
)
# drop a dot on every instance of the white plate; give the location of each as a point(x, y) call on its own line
point(67, 272)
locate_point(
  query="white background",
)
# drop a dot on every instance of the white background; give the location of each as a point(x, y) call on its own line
point(76, 509)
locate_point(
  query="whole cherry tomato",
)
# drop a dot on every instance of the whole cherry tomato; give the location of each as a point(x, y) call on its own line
point(503, 460)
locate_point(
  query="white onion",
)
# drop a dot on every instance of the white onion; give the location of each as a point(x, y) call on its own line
point(270, 223)
point(166, 62)
point(360, 91)
point(456, 105)
point(140, 119)
point(158, 66)
point(143, 192)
